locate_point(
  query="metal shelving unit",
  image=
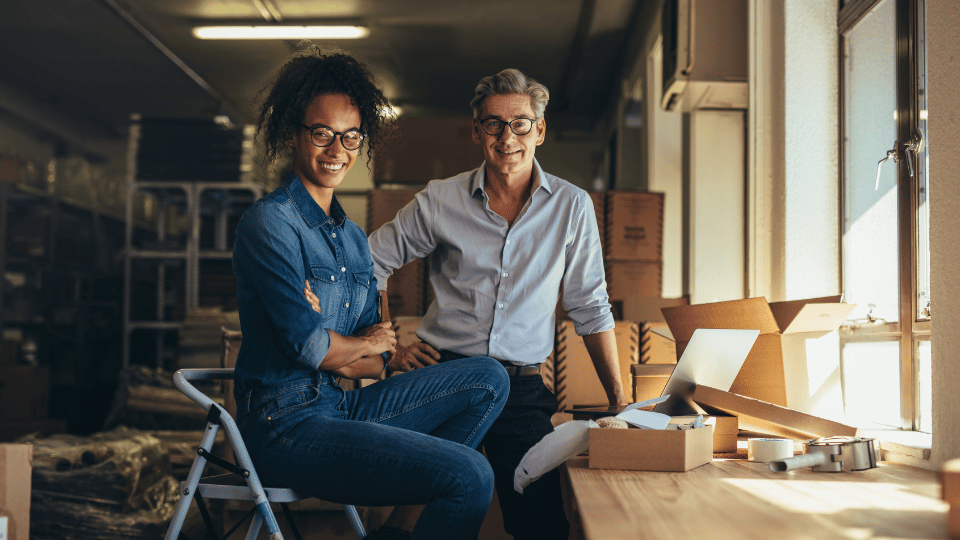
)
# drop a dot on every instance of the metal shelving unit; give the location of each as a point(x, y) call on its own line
point(194, 204)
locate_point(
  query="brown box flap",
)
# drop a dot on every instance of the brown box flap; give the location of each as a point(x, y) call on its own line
point(762, 417)
point(652, 370)
point(819, 318)
point(749, 314)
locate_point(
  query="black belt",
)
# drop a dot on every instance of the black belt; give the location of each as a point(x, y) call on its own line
point(513, 370)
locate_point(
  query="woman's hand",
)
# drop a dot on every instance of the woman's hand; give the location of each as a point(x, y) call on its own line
point(312, 299)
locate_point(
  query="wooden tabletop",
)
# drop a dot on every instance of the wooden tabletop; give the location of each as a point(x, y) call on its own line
point(740, 500)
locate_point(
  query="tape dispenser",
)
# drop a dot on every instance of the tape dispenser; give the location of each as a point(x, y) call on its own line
point(832, 454)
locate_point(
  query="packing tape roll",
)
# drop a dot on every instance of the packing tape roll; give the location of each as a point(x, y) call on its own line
point(767, 450)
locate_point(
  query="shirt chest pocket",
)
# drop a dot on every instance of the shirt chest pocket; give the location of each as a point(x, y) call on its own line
point(330, 288)
point(362, 280)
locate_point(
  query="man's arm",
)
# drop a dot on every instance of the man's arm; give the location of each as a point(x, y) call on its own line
point(602, 348)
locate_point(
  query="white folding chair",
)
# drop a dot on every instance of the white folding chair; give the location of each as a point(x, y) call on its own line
point(242, 483)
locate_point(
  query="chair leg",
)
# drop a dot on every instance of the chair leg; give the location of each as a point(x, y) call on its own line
point(207, 520)
point(290, 520)
point(355, 522)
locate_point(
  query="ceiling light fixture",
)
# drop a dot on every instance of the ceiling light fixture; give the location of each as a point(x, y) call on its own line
point(281, 32)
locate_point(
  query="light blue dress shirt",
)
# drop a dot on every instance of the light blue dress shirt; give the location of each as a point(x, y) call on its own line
point(497, 286)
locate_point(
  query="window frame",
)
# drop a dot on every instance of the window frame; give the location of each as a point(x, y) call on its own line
point(909, 35)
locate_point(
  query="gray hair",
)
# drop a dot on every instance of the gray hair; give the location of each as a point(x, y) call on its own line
point(510, 81)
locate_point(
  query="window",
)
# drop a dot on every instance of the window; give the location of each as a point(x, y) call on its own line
point(885, 347)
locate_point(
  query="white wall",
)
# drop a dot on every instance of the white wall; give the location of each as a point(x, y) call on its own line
point(943, 61)
point(793, 166)
point(811, 138)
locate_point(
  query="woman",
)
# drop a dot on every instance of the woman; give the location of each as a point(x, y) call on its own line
point(406, 440)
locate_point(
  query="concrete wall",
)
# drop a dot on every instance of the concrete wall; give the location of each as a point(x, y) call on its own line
point(943, 61)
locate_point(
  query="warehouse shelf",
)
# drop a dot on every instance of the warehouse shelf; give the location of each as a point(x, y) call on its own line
point(199, 201)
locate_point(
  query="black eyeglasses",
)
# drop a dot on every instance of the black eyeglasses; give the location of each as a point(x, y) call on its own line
point(495, 126)
point(323, 136)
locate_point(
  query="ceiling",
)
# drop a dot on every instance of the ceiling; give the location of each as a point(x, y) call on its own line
point(77, 69)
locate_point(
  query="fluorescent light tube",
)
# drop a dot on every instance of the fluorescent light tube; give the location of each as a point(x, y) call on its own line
point(280, 32)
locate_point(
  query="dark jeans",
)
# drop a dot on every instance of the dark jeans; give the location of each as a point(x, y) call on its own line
point(538, 513)
point(404, 440)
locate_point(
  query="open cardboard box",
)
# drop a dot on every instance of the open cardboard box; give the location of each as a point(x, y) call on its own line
point(675, 450)
point(713, 356)
point(778, 369)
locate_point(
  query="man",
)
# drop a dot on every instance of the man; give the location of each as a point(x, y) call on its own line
point(505, 239)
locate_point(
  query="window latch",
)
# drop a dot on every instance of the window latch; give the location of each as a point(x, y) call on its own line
point(911, 148)
point(891, 154)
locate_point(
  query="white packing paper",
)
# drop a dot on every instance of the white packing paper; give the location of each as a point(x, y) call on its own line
point(566, 441)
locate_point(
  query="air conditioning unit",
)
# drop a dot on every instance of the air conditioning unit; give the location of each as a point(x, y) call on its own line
point(704, 54)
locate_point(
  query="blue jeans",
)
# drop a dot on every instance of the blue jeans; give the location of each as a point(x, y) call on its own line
point(408, 439)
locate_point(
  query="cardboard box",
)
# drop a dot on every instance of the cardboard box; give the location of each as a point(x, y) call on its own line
point(9, 169)
point(600, 211)
point(9, 351)
point(950, 482)
point(405, 289)
point(634, 226)
point(725, 430)
point(425, 149)
point(776, 371)
point(675, 450)
point(15, 484)
point(632, 278)
point(655, 348)
point(761, 417)
point(384, 204)
point(406, 329)
point(574, 377)
point(24, 391)
point(649, 380)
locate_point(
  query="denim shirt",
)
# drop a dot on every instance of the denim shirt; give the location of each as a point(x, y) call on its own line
point(281, 240)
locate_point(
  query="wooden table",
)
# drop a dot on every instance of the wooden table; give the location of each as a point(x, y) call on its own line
point(740, 500)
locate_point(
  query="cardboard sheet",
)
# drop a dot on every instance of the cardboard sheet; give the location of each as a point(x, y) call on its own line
point(762, 417)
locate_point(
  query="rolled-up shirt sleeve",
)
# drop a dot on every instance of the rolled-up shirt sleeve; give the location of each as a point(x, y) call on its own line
point(584, 283)
point(269, 266)
point(402, 240)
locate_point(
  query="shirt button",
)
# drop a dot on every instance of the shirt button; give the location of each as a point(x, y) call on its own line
point(495, 337)
point(343, 268)
point(347, 304)
point(334, 235)
point(333, 278)
point(505, 274)
point(500, 306)
point(508, 241)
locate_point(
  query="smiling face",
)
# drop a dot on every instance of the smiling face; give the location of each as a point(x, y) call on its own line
point(322, 169)
point(509, 154)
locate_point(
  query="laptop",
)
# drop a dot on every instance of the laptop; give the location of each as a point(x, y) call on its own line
point(713, 357)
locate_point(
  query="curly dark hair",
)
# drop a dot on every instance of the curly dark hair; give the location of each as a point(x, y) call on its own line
point(308, 75)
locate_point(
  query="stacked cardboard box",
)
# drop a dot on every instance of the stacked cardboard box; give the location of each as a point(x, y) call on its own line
point(570, 372)
point(633, 244)
point(426, 149)
point(15, 483)
point(24, 396)
point(406, 289)
point(950, 493)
